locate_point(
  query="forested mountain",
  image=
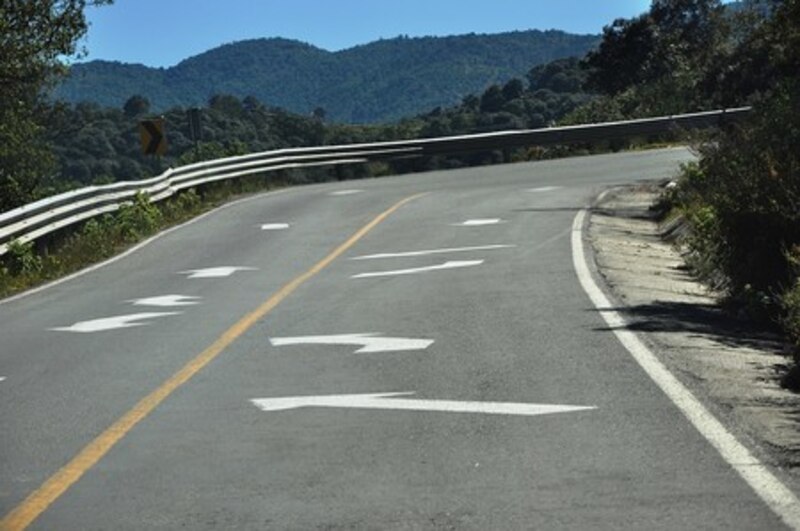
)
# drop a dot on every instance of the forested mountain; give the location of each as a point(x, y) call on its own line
point(377, 82)
point(94, 144)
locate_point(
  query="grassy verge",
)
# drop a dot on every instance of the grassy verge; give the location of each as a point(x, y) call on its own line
point(28, 265)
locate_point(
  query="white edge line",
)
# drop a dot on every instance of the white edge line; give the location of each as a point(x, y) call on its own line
point(767, 486)
point(140, 245)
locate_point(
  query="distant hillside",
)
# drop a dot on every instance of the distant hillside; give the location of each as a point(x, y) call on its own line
point(381, 81)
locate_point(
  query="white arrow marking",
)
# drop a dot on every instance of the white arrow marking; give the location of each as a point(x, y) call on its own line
point(167, 301)
point(2, 378)
point(454, 264)
point(545, 189)
point(346, 192)
point(111, 323)
point(479, 222)
point(384, 401)
point(433, 251)
point(368, 342)
point(214, 272)
point(274, 226)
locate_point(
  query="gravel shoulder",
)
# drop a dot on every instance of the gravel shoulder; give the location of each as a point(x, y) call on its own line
point(732, 366)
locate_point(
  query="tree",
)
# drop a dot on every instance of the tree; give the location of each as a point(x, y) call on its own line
point(767, 54)
point(676, 38)
point(621, 59)
point(136, 106)
point(34, 36)
point(561, 75)
point(513, 89)
point(319, 114)
point(251, 104)
point(227, 104)
point(492, 100)
point(471, 102)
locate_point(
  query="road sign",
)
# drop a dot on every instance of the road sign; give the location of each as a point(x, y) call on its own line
point(151, 133)
point(386, 401)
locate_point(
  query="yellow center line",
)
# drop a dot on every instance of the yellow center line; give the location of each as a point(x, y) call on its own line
point(40, 499)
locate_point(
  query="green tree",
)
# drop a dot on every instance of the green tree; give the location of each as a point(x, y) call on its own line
point(622, 56)
point(561, 75)
point(513, 89)
point(319, 113)
point(34, 36)
point(676, 39)
point(136, 105)
point(227, 104)
point(492, 99)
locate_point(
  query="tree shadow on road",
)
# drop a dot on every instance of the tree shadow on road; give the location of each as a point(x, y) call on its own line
point(699, 320)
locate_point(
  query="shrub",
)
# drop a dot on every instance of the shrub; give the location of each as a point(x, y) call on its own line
point(790, 302)
point(743, 199)
point(138, 219)
point(97, 235)
point(22, 260)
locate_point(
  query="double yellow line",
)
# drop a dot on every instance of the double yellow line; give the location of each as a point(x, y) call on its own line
point(40, 499)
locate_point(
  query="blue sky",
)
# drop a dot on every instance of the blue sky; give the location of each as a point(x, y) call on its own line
point(163, 32)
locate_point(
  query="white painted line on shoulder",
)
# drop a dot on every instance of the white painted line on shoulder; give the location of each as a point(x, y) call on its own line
point(433, 251)
point(542, 189)
point(386, 401)
point(345, 192)
point(768, 487)
point(167, 301)
point(274, 226)
point(453, 264)
point(369, 342)
point(214, 272)
point(112, 323)
point(479, 222)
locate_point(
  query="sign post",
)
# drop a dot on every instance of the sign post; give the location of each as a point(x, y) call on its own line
point(193, 117)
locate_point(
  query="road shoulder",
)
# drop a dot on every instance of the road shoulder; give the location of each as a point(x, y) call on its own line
point(731, 366)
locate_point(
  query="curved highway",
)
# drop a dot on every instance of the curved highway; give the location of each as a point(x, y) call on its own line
point(411, 352)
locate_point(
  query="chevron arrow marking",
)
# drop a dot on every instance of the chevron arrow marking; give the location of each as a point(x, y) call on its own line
point(368, 342)
point(387, 401)
point(113, 323)
point(452, 264)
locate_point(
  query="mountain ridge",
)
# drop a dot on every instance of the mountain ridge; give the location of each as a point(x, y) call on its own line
point(379, 81)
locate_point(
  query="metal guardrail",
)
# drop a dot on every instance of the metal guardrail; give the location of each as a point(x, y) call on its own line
point(43, 217)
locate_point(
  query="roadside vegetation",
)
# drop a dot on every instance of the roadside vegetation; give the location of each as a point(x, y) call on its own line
point(741, 199)
point(26, 265)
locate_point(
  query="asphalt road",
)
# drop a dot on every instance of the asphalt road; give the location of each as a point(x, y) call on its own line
point(503, 319)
